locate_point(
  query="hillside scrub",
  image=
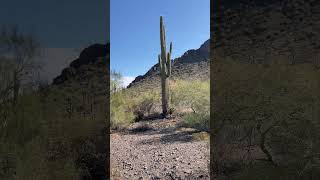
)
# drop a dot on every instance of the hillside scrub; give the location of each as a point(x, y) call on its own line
point(49, 131)
point(195, 96)
point(23, 143)
point(266, 115)
point(191, 98)
point(52, 134)
point(127, 107)
point(36, 135)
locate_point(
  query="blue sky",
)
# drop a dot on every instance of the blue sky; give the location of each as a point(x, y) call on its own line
point(135, 36)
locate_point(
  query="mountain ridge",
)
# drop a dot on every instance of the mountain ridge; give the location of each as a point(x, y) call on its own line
point(193, 63)
point(96, 54)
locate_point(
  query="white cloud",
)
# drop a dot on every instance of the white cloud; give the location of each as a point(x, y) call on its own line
point(126, 80)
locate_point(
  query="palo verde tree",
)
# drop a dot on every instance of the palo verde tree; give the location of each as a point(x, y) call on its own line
point(165, 68)
point(115, 81)
point(18, 50)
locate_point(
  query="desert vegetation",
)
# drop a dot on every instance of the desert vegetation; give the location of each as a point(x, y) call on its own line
point(189, 99)
point(266, 120)
point(151, 145)
point(46, 131)
point(43, 138)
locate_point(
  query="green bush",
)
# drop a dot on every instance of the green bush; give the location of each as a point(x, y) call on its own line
point(128, 106)
point(23, 148)
point(40, 133)
point(120, 114)
point(197, 121)
point(193, 95)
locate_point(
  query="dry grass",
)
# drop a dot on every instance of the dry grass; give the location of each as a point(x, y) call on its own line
point(201, 136)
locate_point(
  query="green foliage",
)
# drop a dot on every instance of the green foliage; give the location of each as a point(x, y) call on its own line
point(52, 132)
point(33, 164)
point(120, 113)
point(115, 81)
point(127, 106)
point(42, 136)
point(194, 96)
point(191, 94)
point(22, 117)
point(197, 121)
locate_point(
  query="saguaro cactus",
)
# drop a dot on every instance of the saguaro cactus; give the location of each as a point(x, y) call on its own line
point(165, 68)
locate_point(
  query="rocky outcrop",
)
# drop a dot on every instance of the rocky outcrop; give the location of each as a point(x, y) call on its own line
point(95, 55)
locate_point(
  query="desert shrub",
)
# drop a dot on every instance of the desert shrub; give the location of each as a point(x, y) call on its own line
point(194, 95)
point(201, 136)
point(75, 132)
point(23, 143)
point(145, 105)
point(197, 121)
point(22, 122)
point(120, 114)
point(269, 112)
point(40, 133)
point(127, 106)
point(115, 81)
point(191, 94)
point(32, 163)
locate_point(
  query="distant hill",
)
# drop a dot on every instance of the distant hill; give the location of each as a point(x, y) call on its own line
point(193, 64)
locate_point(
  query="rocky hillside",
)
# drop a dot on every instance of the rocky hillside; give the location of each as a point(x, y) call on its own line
point(193, 64)
point(89, 69)
point(263, 31)
point(83, 86)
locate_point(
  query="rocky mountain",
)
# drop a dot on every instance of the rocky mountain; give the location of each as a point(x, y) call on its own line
point(90, 69)
point(263, 31)
point(193, 64)
point(91, 55)
point(83, 86)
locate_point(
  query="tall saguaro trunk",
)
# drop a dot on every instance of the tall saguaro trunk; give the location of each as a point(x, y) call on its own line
point(165, 68)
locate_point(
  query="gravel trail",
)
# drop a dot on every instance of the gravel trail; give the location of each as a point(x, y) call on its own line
point(158, 149)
